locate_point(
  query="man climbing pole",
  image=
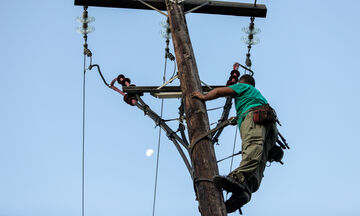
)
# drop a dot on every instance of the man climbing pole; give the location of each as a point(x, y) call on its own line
point(257, 124)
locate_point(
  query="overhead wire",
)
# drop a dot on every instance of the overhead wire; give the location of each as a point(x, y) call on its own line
point(159, 138)
point(83, 145)
point(233, 151)
point(157, 159)
point(233, 154)
point(215, 108)
point(87, 53)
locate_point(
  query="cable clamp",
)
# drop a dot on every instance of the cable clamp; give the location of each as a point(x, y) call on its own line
point(146, 109)
point(158, 122)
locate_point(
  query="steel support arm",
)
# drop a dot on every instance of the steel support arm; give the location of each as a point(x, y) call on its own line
point(169, 132)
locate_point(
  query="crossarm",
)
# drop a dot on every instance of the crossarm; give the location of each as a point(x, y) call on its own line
point(214, 7)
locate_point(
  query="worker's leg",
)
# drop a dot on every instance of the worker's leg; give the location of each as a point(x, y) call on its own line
point(254, 181)
point(253, 138)
point(257, 140)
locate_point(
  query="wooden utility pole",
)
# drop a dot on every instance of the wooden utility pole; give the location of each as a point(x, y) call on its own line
point(211, 202)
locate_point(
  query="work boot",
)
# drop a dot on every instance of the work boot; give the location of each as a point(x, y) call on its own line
point(237, 201)
point(229, 184)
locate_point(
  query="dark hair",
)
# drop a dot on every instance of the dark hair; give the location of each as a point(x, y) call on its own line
point(246, 78)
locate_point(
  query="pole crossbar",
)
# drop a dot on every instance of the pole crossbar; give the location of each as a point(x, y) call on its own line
point(215, 7)
point(156, 89)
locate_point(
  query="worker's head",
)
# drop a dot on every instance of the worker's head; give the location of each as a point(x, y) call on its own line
point(246, 78)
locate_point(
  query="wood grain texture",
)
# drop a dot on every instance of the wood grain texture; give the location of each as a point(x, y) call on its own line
point(203, 156)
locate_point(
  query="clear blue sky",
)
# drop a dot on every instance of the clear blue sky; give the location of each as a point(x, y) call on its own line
point(307, 66)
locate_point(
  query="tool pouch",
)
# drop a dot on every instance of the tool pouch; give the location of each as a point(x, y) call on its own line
point(276, 154)
point(264, 115)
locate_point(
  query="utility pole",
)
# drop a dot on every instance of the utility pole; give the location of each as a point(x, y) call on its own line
point(202, 155)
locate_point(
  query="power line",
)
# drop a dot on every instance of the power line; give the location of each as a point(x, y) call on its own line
point(159, 139)
point(233, 152)
point(83, 146)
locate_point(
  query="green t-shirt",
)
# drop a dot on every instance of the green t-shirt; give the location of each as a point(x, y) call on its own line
point(246, 98)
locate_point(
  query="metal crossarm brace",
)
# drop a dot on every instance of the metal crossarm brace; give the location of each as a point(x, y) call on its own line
point(169, 132)
point(158, 120)
point(214, 7)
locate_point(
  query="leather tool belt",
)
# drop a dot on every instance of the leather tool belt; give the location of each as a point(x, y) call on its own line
point(264, 114)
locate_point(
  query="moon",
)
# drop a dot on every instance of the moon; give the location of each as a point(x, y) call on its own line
point(149, 152)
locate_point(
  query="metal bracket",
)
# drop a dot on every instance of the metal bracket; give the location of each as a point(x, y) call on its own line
point(152, 7)
point(197, 7)
point(177, 1)
point(169, 81)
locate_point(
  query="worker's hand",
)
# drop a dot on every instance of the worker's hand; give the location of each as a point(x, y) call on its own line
point(198, 95)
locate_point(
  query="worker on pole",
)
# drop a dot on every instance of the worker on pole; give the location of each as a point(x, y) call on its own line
point(257, 124)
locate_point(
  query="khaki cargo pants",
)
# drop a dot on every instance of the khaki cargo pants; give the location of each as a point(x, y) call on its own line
point(257, 140)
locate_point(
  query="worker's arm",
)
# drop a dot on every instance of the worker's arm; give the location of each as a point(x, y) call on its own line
point(215, 93)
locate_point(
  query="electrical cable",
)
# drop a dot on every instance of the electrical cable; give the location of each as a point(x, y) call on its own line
point(233, 152)
point(159, 143)
point(216, 108)
point(174, 73)
point(83, 146)
point(157, 159)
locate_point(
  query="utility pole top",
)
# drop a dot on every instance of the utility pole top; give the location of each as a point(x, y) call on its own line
point(203, 159)
point(213, 7)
